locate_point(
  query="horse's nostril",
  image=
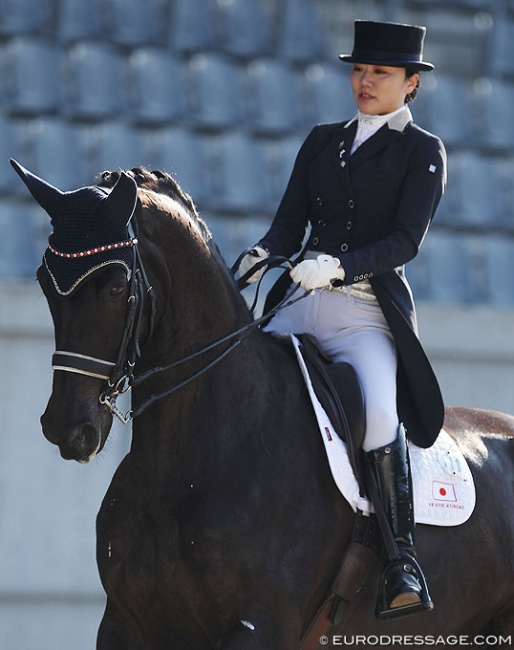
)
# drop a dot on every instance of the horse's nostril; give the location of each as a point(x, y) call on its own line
point(83, 437)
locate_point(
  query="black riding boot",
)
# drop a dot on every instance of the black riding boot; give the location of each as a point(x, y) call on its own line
point(403, 590)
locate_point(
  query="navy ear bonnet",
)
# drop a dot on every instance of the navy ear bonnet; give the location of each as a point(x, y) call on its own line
point(91, 228)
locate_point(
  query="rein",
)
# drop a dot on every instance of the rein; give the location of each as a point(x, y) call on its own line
point(120, 375)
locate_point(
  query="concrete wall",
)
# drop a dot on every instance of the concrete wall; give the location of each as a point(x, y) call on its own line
point(50, 595)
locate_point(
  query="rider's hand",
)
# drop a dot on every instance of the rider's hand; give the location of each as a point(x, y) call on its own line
point(318, 273)
point(257, 254)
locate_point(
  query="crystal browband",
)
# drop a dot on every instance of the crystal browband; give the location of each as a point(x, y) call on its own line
point(93, 251)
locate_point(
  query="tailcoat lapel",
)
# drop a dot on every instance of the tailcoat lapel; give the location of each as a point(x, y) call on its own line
point(391, 131)
point(378, 141)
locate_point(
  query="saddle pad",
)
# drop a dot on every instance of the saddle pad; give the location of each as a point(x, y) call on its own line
point(444, 491)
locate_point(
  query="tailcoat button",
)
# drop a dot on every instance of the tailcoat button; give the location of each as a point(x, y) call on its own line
point(322, 223)
point(315, 241)
point(349, 225)
point(351, 203)
point(319, 200)
point(344, 247)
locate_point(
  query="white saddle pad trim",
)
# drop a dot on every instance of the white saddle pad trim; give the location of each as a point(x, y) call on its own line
point(444, 490)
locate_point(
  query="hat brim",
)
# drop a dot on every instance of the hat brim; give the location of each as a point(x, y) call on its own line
point(417, 65)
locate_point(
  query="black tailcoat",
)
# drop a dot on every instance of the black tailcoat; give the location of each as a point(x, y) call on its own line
point(371, 210)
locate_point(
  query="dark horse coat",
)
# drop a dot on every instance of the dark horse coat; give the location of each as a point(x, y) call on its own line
point(371, 210)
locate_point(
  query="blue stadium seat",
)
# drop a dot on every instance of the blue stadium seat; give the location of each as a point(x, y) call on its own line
point(133, 23)
point(216, 93)
point(79, 20)
point(242, 176)
point(464, 4)
point(57, 151)
point(192, 25)
point(10, 147)
point(444, 107)
point(24, 228)
point(330, 97)
point(474, 193)
point(282, 154)
point(502, 47)
point(504, 169)
point(233, 235)
point(494, 124)
point(25, 16)
point(156, 86)
point(300, 33)
point(500, 269)
point(119, 146)
point(457, 41)
point(34, 82)
point(274, 97)
point(189, 157)
point(95, 86)
point(244, 28)
point(455, 267)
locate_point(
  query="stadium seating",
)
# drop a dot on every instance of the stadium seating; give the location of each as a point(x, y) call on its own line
point(25, 17)
point(57, 150)
point(274, 97)
point(190, 158)
point(242, 177)
point(191, 26)
point(79, 20)
point(156, 86)
point(95, 75)
point(244, 29)
point(222, 93)
point(34, 82)
point(215, 97)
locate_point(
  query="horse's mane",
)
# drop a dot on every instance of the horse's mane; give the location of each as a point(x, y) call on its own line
point(160, 182)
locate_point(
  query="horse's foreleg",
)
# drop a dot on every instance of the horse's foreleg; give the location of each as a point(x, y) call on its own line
point(112, 634)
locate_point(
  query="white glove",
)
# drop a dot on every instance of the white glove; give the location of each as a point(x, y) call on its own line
point(318, 273)
point(257, 254)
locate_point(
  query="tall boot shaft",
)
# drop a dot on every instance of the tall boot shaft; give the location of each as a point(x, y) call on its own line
point(391, 468)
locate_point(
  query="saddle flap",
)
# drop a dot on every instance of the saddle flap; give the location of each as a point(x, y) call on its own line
point(339, 391)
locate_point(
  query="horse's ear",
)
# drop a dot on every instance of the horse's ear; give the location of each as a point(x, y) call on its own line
point(121, 202)
point(45, 194)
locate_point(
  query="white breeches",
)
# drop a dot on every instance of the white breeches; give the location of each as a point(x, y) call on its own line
point(353, 330)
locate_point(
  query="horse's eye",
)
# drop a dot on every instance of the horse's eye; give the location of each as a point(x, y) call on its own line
point(116, 290)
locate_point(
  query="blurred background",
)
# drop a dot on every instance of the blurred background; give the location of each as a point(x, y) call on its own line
point(221, 93)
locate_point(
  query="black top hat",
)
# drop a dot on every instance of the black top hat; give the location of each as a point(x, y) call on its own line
point(391, 44)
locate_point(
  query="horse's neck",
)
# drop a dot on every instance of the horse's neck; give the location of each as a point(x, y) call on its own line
point(201, 425)
point(197, 315)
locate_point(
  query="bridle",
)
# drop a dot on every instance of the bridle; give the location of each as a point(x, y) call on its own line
point(119, 375)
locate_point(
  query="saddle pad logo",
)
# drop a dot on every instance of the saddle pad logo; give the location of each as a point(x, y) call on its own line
point(443, 491)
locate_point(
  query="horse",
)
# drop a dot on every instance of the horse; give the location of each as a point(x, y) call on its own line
point(222, 527)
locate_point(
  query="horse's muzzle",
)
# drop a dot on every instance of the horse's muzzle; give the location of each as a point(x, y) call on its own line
point(80, 442)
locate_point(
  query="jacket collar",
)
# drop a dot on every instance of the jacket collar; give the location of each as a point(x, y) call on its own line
point(397, 122)
point(391, 131)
